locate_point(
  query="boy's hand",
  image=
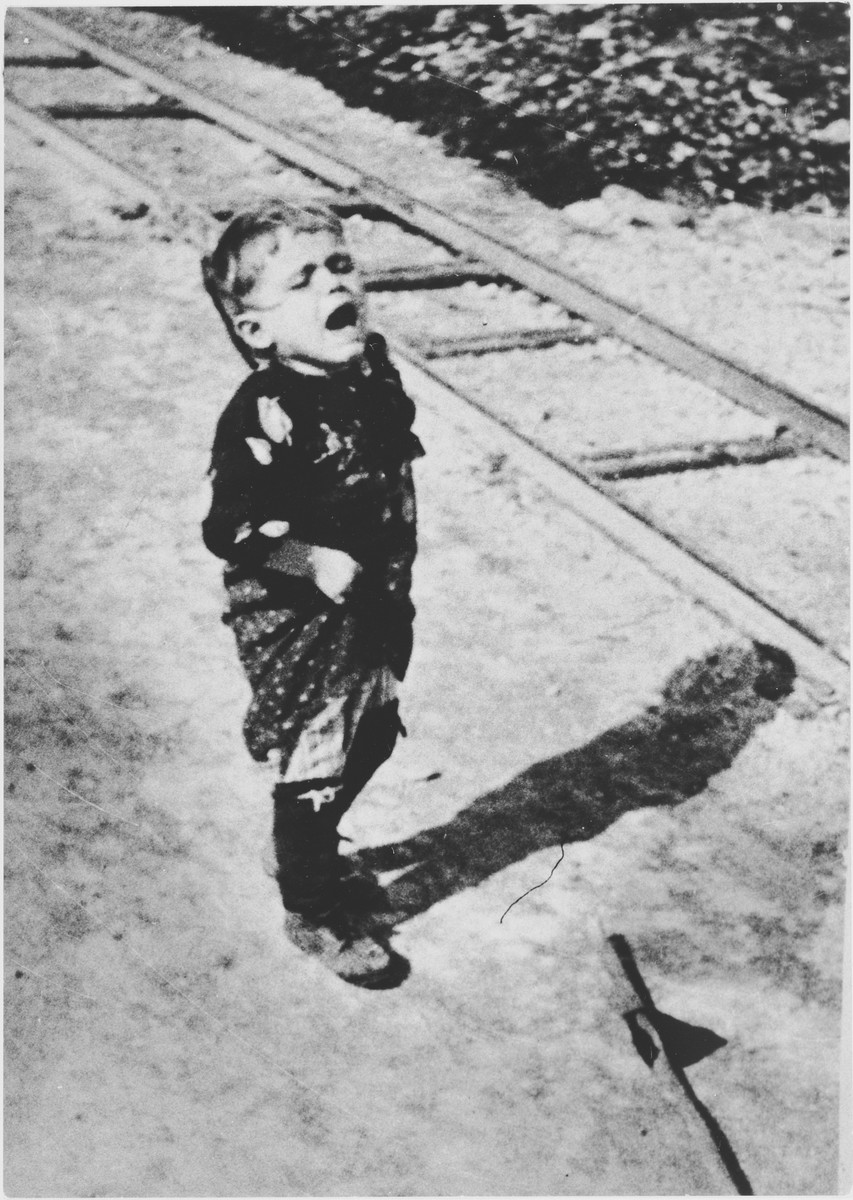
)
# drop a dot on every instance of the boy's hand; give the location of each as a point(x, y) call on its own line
point(333, 571)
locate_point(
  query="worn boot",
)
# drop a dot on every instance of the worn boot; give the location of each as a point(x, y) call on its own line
point(319, 919)
point(340, 942)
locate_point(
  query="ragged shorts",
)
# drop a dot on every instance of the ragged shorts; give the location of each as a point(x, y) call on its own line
point(315, 669)
point(324, 744)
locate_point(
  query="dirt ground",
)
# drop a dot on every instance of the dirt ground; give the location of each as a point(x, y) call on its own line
point(566, 710)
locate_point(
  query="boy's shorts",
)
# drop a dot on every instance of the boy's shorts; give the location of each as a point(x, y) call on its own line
point(325, 742)
point(315, 669)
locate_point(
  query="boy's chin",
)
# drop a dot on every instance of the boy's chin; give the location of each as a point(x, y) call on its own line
point(334, 356)
point(343, 348)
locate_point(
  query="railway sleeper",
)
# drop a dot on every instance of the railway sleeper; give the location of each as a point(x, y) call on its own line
point(162, 108)
point(675, 460)
point(55, 62)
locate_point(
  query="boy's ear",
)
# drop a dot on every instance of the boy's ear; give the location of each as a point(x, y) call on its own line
point(252, 331)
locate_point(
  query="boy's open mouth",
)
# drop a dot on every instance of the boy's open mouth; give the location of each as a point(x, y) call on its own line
point(343, 316)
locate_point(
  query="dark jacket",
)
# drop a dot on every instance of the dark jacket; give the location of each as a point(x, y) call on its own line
point(325, 455)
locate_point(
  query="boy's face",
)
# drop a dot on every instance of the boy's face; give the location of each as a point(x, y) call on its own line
point(308, 304)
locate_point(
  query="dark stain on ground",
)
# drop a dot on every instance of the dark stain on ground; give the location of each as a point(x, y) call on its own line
point(709, 710)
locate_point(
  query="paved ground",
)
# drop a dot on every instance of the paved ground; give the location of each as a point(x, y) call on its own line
point(164, 1039)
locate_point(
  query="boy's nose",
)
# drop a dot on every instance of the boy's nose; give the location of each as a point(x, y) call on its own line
point(329, 281)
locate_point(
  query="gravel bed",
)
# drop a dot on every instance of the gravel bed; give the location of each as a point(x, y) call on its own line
point(36, 86)
point(769, 289)
point(461, 311)
point(381, 244)
point(745, 103)
point(798, 507)
point(195, 161)
point(198, 163)
point(23, 40)
point(605, 396)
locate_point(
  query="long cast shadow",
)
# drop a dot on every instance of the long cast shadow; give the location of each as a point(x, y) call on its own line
point(708, 712)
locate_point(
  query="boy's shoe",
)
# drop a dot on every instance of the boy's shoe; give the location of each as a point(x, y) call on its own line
point(338, 941)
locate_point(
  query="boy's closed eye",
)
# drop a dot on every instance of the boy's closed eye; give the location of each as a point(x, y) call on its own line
point(336, 264)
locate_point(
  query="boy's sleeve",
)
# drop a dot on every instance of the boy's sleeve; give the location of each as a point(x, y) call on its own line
point(246, 520)
point(228, 529)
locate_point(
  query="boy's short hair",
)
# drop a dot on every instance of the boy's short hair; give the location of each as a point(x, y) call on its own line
point(233, 270)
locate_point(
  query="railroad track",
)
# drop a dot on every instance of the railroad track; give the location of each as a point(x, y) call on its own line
point(529, 306)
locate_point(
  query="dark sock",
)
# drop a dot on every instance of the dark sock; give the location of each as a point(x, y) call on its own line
point(305, 836)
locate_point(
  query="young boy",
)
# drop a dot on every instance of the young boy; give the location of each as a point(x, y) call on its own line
point(313, 512)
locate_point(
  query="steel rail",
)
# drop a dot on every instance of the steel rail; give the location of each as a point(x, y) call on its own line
point(734, 379)
point(578, 333)
point(574, 483)
point(441, 275)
